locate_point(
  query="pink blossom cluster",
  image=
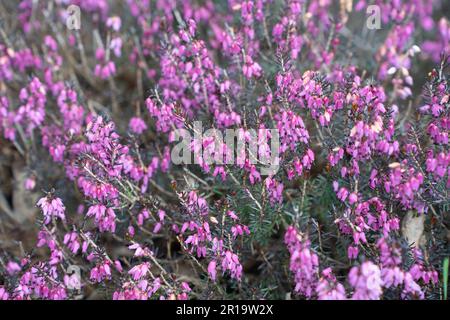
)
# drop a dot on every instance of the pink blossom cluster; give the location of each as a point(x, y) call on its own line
point(93, 114)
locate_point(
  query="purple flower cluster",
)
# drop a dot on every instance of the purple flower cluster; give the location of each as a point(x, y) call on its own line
point(357, 209)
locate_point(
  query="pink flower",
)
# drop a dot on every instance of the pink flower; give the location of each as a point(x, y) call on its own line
point(101, 272)
point(342, 194)
point(230, 262)
point(51, 207)
point(30, 183)
point(352, 198)
point(104, 217)
point(352, 252)
point(12, 267)
point(251, 68)
point(232, 215)
point(139, 271)
point(137, 125)
point(212, 270)
point(303, 263)
point(116, 46)
point(118, 266)
point(3, 294)
point(366, 280)
point(114, 23)
point(72, 241)
point(328, 288)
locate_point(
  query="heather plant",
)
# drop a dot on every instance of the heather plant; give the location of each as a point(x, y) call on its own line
point(99, 101)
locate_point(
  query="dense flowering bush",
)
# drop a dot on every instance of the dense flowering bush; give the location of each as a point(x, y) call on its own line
point(94, 205)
